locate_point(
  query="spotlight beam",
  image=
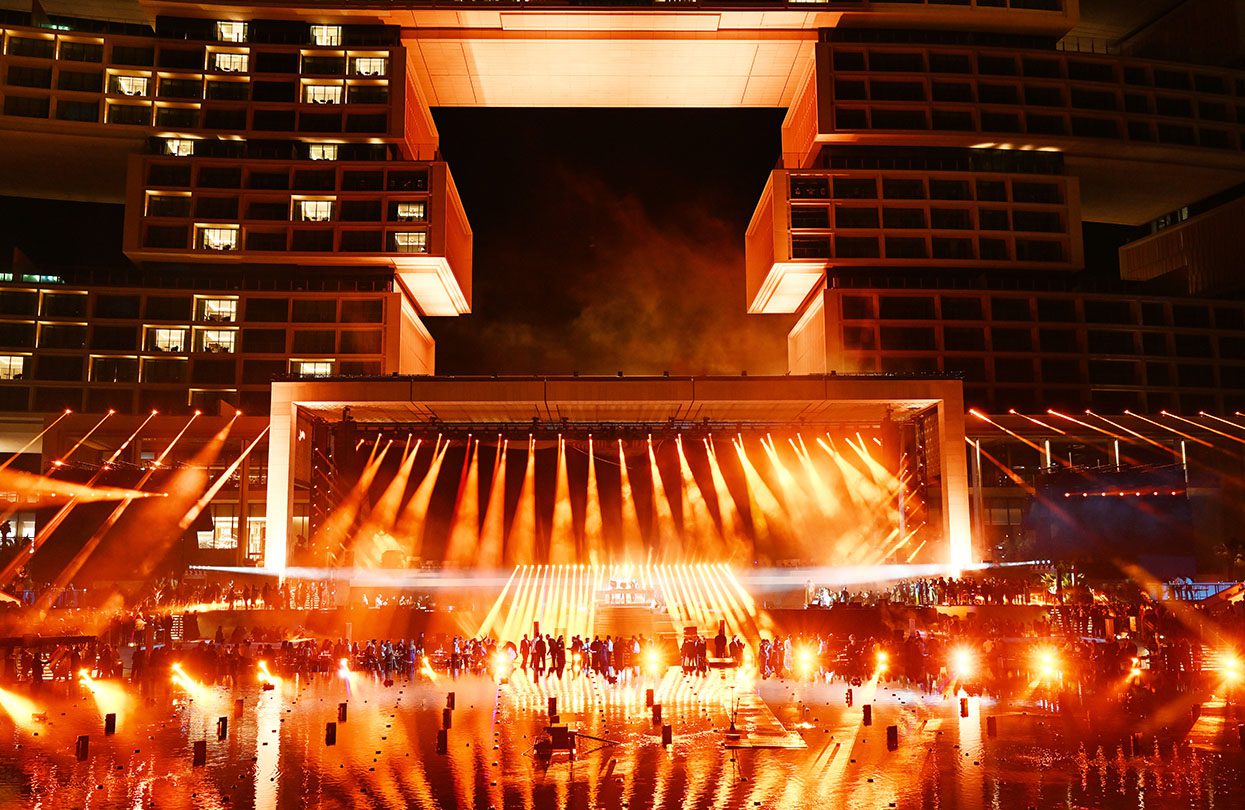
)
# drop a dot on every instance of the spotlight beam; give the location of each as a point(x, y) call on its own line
point(1220, 419)
point(1145, 439)
point(34, 440)
point(1181, 434)
point(71, 570)
point(207, 496)
point(60, 461)
point(1038, 422)
point(1095, 428)
point(1237, 439)
point(23, 557)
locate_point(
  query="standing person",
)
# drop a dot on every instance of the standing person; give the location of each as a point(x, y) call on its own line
point(538, 655)
point(525, 649)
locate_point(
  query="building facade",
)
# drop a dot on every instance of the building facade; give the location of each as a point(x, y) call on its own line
point(286, 211)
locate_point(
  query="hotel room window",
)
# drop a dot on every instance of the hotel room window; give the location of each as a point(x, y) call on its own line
point(322, 94)
point(326, 35)
point(228, 31)
point(12, 367)
point(411, 242)
point(322, 151)
point(217, 310)
point(312, 368)
point(315, 210)
point(128, 85)
point(410, 211)
point(371, 66)
point(216, 238)
point(230, 62)
point(166, 340)
point(179, 147)
point(216, 341)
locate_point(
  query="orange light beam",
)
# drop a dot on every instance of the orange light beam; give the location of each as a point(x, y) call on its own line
point(1170, 430)
point(23, 556)
point(1229, 436)
point(1145, 439)
point(1037, 422)
point(32, 442)
point(207, 497)
point(60, 461)
point(1013, 434)
point(1196, 425)
point(88, 548)
point(1220, 419)
point(1095, 428)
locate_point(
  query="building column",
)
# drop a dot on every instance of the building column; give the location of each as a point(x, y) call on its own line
point(956, 520)
point(281, 444)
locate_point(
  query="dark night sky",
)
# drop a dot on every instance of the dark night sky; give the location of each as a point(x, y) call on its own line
point(605, 240)
point(609, 240)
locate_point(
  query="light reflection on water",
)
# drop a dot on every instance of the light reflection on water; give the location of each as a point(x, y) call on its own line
point(275, 755)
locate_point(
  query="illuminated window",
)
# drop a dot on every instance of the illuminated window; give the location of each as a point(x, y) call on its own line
point(371, 66)
point(323, 151)
point(410, 211)
point(128, 85)
point(322, 94)
point(217, 310)
point(412, 242)
point(12, 367)
point(312, 368)
point(224, 531)
point(330, 35)
point(231, 31)
point(230, 62)
point(216, 341)
point(180, 147)
point(315, 210)
point(164, 339)
point(216, 238)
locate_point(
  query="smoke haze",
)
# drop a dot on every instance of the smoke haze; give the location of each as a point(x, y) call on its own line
point(604, 250)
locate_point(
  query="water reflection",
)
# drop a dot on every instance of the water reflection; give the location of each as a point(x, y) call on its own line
point(274, 755)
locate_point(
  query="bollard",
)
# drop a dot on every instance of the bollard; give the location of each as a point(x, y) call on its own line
point(992, 727)
point(110, 724)
point(330, 734)
point(667, 735)
point(553, 705)
point(341, 712)
point(656, 713)
point(892, 738)
point(963, 707)
point(222, 728)
point(867, 714)
point(648, 698)
point(849, 696)
point(443, 741)
point(237, 707)
point(83, 748)
point(199, 757)
point(447, 718)
point(449, 701)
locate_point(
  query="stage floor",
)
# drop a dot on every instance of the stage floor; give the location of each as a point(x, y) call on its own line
point(385, 756)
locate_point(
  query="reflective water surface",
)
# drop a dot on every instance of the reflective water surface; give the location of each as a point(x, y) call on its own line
point(274, 754)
